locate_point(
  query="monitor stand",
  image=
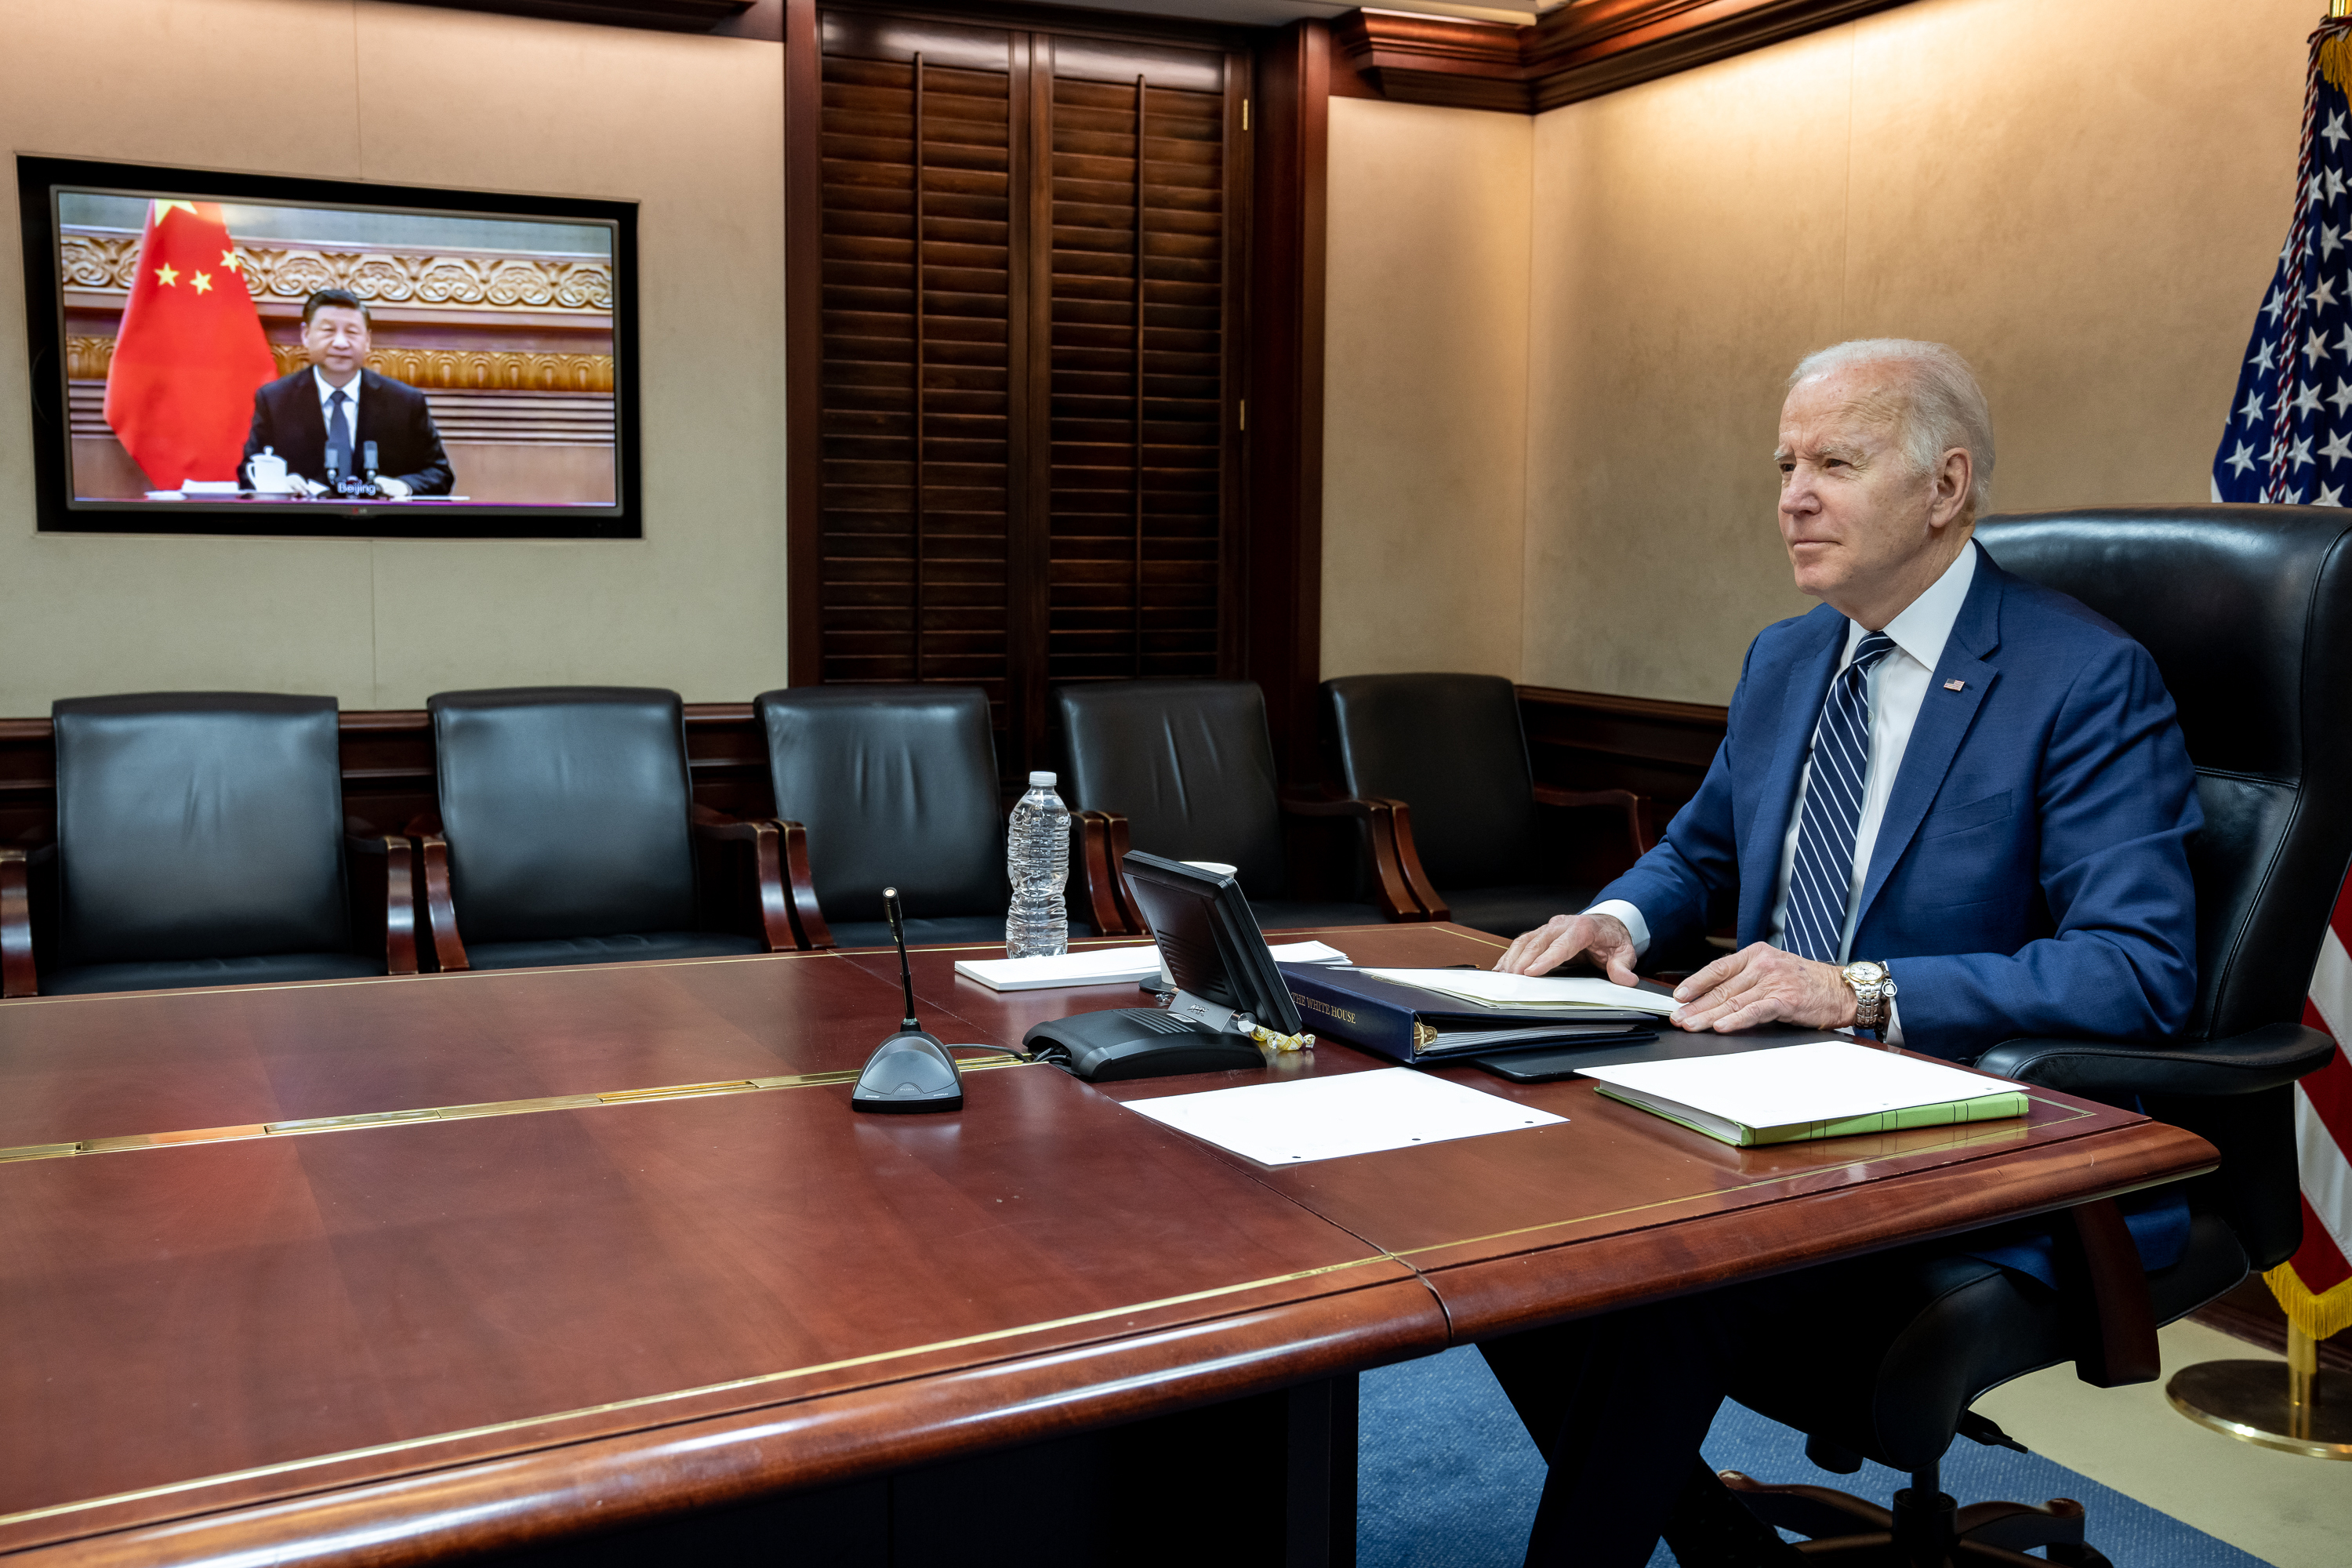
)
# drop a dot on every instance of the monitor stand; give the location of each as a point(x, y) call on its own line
point(1138, 1042)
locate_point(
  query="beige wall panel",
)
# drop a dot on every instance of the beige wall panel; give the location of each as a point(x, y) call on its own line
point(1689, 237)
point(2086, 200)
point(1426, 375)
point(158, 81)
point(688, 127)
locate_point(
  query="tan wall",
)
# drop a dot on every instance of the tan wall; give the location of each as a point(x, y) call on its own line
point(1425, 388)
point(2086, 199)
point(344, 89)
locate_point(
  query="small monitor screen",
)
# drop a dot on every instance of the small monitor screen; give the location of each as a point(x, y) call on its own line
point(1210, 939)
point(302, 364)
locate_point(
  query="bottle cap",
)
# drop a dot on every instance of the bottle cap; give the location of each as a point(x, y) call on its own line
point(1041, 778)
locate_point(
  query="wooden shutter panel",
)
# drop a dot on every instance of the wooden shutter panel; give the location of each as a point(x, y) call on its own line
point(1139, 310)
point(914, 403)
point(1027, 449)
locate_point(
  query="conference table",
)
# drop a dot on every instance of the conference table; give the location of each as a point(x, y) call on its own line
point(552, 1261)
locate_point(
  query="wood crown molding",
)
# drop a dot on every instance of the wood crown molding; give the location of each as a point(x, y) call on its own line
point(1582, 51)
point(665, 16)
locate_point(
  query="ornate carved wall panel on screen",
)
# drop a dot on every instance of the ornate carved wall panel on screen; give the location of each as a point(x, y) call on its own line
point(1027, 408)
point(1580, 50)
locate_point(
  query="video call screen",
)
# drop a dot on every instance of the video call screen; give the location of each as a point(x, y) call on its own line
point(290, 360)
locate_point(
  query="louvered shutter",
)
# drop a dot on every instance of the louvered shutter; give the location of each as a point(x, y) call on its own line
point(988, 229)
point(915, 416)
point(1138, 363)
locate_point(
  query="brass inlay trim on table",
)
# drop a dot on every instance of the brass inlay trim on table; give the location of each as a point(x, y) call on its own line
point(648, 1401)
point(362, 1120)
point(1966, 1133)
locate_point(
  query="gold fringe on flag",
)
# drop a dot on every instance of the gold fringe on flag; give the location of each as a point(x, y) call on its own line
point(2316, 1315)
point(2335, 61)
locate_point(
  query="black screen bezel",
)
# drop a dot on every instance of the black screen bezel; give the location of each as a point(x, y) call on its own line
point(1206, 914)
point(57, 511)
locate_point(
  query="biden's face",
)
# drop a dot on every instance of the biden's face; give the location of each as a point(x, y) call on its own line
point(336, 338)
point(1854, 513)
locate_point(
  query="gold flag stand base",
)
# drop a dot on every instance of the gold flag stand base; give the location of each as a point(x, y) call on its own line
point(2298, 1407)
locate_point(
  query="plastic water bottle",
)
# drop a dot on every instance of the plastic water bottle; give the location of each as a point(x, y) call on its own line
point(1037, 861)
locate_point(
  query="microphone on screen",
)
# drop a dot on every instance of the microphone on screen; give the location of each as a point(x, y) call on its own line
point(910, 1070)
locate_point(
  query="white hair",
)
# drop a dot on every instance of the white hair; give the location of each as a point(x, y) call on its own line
point(1943, 406)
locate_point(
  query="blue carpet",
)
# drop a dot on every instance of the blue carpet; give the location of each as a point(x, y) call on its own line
point(1448, 1478)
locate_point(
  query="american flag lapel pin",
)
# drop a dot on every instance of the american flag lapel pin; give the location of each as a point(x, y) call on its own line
point(1954, 685)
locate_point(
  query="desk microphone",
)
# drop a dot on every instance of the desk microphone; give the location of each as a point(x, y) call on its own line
point(910, 1070)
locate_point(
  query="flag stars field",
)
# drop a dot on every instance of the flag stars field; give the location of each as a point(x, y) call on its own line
point(167, 276)
point(2286, 435)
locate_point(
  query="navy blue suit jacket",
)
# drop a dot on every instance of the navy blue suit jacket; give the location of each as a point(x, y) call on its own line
point(2032, 873)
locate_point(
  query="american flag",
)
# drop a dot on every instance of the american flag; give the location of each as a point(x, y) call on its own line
point(2289, 439)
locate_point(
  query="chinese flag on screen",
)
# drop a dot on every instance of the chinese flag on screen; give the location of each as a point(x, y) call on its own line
point(190, 351)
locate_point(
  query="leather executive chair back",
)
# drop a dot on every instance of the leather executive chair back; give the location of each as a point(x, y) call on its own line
point(1190, 763)
point(567, 811)
point(1452, 748)
point(896, 786)
point(198, 825)
point(2248, 613)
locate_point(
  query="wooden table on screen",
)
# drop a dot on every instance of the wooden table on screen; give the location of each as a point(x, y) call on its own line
point(390, 1269)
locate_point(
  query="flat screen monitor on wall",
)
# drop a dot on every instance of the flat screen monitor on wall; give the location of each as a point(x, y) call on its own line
point(225, 353)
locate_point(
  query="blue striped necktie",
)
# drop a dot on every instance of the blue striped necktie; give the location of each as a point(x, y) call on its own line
point(1821, 877)
point(339, 436)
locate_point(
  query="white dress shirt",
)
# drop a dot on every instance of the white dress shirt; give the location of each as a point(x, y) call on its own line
point(1898, 687)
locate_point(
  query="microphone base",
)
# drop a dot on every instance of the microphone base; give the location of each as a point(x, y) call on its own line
point(910, 1072)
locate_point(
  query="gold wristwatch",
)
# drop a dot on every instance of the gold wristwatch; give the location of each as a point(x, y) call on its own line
point(1872, 988)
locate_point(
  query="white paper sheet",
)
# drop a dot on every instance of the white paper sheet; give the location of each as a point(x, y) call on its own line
point(1824, 1081)
point(1106, 965)
point(1566, 991)
point(1347, 1113)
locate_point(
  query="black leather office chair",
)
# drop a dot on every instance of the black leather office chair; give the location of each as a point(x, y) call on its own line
point(567, 834)
point(1451, 749)
point(2248, 612)
point(1185, 769)
point(889, 786)
point(200, 842)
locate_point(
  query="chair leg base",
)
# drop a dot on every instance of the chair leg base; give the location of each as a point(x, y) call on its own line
point(1848, 1530)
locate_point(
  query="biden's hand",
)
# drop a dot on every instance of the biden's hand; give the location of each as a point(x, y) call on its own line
point(1601, 938)
point(1761, 983)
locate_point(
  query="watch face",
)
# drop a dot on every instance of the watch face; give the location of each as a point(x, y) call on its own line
point(1862, 971)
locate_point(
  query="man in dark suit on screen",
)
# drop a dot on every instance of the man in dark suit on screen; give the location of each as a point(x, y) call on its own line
point(1944, 778)
point(322, 419)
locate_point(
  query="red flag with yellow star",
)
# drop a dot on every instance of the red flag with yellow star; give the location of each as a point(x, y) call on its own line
point(190, 351)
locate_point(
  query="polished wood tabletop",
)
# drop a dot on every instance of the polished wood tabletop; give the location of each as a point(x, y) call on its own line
point(382, 1269)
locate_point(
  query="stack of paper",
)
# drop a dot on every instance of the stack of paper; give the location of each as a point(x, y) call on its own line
point(1827, 1089)
point(1345, 1113)
point(1528, 993)
point(1105, 966)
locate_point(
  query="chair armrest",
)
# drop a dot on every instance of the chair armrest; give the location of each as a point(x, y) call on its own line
point(384, 897)
point(2269, 1058)
point(1623, 800)
point(756, 847)
point(2111, 1320)
point(19, 976)
point(1102, 844)
point(809, 930)
point(448, 950)
point(1399, 883)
